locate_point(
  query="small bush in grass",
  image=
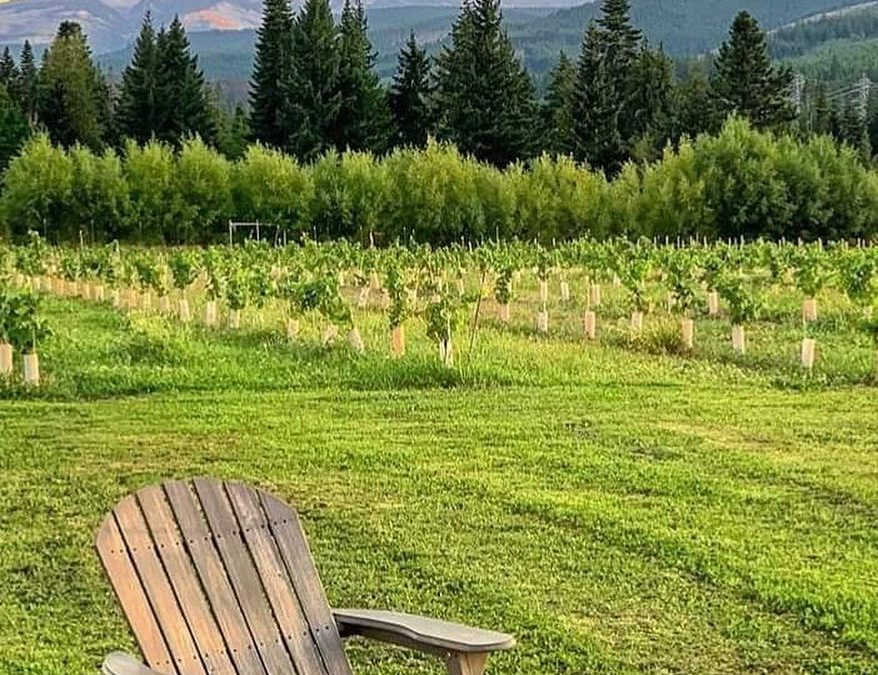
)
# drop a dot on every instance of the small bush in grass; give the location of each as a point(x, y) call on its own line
point(151, 340)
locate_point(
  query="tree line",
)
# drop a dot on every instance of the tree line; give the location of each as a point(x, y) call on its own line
point(739, 182)
point(162, 95)
point(619, 101)
point(314, 89)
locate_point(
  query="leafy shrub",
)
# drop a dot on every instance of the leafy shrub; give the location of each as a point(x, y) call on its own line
point(272, 187)
point(151, 340)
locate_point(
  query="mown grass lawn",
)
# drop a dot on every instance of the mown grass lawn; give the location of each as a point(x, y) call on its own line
point(619, 512)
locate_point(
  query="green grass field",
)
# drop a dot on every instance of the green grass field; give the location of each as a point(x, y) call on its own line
point(617, 510)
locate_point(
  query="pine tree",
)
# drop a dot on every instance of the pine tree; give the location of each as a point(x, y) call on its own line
point(695, 112)
point(14, 128)
point(854, 130)
point(746, 83)
point(271, 69)
point(233, 132)
point(71, 93)
point(363, 121)
point(183, 108)
point(822, 115)
point(28, 77)
point(558, 108)
point(596, 136)
point(411, 96)
point(312, 97)
point(9, 73)
point(138, 109)
point(651, 103)
point(485, 96)
point(620, 46)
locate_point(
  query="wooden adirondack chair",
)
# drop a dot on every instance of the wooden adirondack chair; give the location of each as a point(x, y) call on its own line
point(216, 577)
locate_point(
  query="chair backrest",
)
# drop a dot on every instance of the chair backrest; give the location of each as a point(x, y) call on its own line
point(217, 577)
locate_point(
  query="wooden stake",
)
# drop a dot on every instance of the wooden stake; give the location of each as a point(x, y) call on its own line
point(637, 322)
point(355, 340)
point(809, 310)
point(210, 313)
point(713, 303)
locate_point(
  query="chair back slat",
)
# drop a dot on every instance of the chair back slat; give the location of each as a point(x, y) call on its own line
point(244, 576)
point(263, 549)
point(214, 579)
point(217, 578)
point(157, 586)
point(287, 531)
point(184, 580)
point(123, 577)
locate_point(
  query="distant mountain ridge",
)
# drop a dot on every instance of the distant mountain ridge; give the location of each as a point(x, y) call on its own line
point(111, 24)
point(222, 31)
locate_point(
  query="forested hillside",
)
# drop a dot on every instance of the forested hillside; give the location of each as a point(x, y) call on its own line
point(538, 34)
point(835, 49)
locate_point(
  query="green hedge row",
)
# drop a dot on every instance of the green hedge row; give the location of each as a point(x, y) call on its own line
point(739, 182)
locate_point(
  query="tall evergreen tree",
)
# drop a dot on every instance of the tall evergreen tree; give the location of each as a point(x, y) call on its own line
point(651, 102)
point(620, 42)
point(233, 132)
point(411, 96)
point(485, 96)
point(312, 97)
point(183, 105)
point(596, 136)
point(28, 76)
point(9, 73)
point(71, 93)
point(746, 83)
point(14, 128)
point(821, 122)
point(695, 112)
point(558, 119)
point(271, 70)
point(853, 128)
point(138, 108)
point(363, 121)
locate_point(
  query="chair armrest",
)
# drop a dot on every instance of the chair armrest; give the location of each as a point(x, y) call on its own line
point(417, 632)
point(120, 663)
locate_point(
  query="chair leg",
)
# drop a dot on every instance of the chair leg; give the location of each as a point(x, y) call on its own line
point(466, 664)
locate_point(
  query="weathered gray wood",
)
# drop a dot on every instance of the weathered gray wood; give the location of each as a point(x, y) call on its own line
point(120, 663)
point(184, 579)
point(466, 664)
point(217, 578)
point(157, 587)
point(214, 579)
point(418, 630)
point(275, 580)
point(243, 576)
point(135, 605)
point(290, 537)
